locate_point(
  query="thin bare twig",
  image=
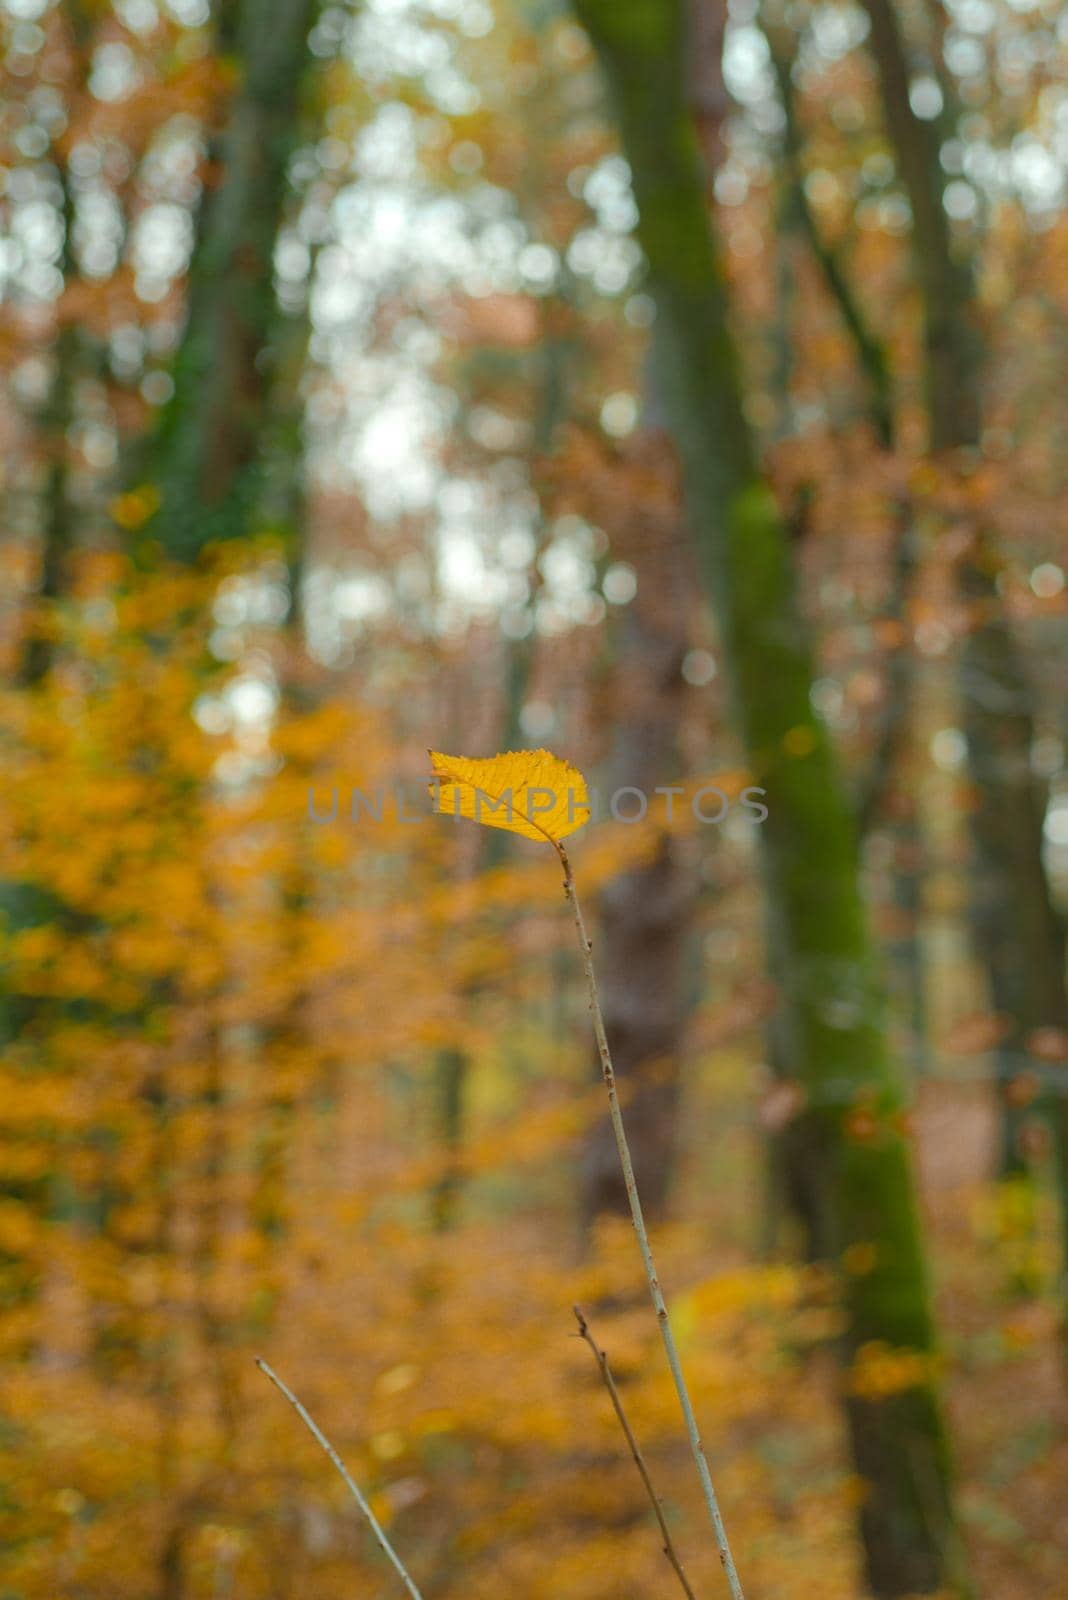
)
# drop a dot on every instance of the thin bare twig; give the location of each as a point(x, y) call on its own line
point(320, 1437)
point(655, 1290)
point(871, 352)
point(639, 1460)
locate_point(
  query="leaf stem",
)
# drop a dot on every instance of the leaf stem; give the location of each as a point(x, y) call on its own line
point(608, 1073)
point(317, 1433)
point(639, 1460)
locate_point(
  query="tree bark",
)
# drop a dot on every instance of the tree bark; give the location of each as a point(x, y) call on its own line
point(952, 342)
point(58, 522)
point(203, 457)
point(646, 912)
point(1020, 938)
point(853, 1095)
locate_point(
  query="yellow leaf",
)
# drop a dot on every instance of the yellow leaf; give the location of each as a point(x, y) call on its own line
point(530, 792)
point(134, 508)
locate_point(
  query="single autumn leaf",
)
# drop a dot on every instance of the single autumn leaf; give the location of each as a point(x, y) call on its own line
point(529, 792)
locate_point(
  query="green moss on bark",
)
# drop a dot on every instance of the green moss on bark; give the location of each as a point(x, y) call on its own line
point(851, 1127)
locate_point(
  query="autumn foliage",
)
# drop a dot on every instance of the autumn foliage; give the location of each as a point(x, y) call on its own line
point(337, 428)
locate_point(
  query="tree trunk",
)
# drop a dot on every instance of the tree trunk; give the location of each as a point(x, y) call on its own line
point(646, 912)
point(853, 1097)
point(792, 1181)
point(57, 529)
point(58, 412)
point(952, 343)
point(204, 455)
point(1019, 935)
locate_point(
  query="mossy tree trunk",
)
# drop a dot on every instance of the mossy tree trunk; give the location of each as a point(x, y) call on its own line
point(883, 781)
point(853, 1098)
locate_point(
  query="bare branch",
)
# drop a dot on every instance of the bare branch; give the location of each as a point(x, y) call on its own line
point(320, 1437)
point(870, 349)
point(639, 1460)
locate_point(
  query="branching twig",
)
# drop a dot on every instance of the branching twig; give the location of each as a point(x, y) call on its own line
point(320, 1437)
point(643, 1238)
point(639, 1460)
point(870, 349)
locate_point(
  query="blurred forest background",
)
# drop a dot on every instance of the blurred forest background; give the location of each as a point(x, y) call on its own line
point(676, 385)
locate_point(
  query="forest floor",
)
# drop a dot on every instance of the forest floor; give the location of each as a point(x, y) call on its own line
point(1008, 1384)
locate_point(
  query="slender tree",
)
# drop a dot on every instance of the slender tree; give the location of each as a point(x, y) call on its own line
point(235, 381)
point(853, 1096)
point(883, 779)
point(204, 455)
point(57, 414)
point(646, 911)
point(1020, 937)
